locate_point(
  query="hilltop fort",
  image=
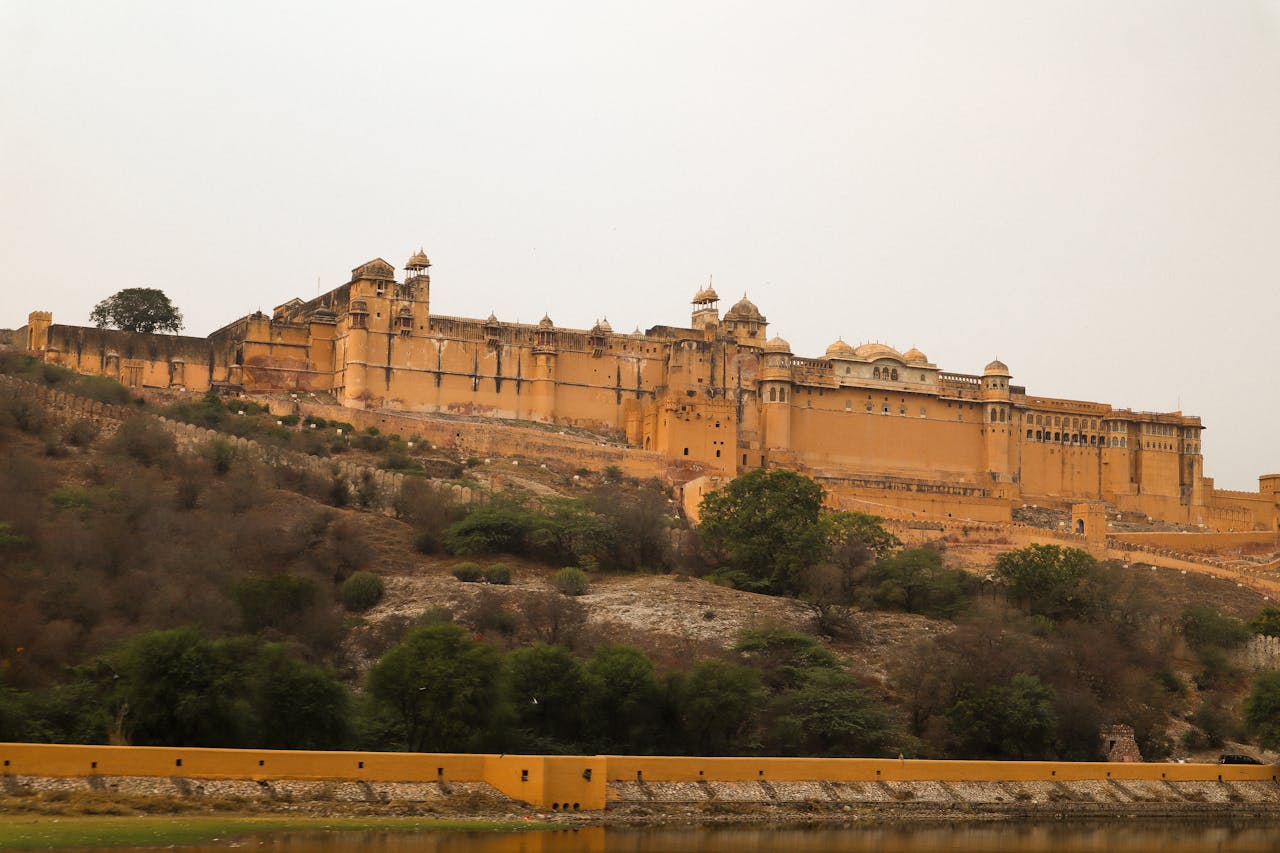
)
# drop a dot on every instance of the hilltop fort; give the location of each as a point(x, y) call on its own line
point(700, 403)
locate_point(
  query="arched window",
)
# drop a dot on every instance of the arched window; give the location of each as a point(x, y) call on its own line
point(773, 395)
point(1039, 435)
point(782, 395)
point(895, 374)
point(1028, 435)
point(875, 373)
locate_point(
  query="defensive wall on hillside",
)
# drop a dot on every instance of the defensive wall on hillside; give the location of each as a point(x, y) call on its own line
point(590, 783)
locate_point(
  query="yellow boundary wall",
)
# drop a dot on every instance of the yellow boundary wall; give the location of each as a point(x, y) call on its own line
point(569, 782)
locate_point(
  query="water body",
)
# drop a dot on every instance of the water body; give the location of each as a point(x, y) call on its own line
point(1109, 837)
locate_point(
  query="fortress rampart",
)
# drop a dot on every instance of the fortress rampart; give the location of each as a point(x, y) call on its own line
point(715, 397)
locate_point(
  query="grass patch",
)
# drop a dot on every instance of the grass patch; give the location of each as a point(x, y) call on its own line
point(44, 832)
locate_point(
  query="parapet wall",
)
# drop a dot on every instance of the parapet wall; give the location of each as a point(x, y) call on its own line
point(1201, 543)
point(576, 782)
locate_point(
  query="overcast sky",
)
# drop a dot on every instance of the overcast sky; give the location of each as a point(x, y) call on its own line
point(1088, 190)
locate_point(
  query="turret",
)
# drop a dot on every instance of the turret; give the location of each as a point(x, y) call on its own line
point(706, 309)
point(542, 395)
point(417, 283)
point(775, 394)
point(38, 323)
point(998, 416)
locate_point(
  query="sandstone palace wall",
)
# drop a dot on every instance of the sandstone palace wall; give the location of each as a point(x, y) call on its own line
point(711, 398)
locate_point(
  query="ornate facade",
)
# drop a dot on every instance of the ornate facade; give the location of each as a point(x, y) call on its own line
point(718, 393)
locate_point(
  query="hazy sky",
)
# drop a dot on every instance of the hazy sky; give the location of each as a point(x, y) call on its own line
point(1088, 190)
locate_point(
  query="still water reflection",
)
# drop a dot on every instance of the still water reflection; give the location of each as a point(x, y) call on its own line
point(1129, 837)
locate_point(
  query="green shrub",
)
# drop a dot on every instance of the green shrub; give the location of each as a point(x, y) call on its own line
point(79, 433)
point(370, 442)
point(312, 421)
point(1205, 628)
point(1266, 623)
point(288, 420)
point(491, 529)
point(398, 460)
point(361, 591)
point(498, 574)
point(71, 498)
point(273, 601)
point(570, 581)
point(427, 542)
point(468, 572)
point(208, 412)
point(246, 408)
point(104, 389)
point(53, 374)
point(219, 453)
point(144, 441)
point(339, 491)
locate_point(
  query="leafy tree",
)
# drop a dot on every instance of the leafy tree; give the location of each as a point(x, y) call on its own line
point(1049, 580)
point(1214, 722)
point(180, 690)
point(545, 685)
point(296, 705)
point(1266, 623)
point(1016, 720)
point(15, 718)
point(856, 539)
point(1205, 629)
point(499, 527)
point(1262, 710)
point(137, 309)
point(783, 657)
point(640, 525)
point(916, 581)
point(827, 715)
point(440, 685)
point(718, 705)
point(622, 698)
point(767, 528)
